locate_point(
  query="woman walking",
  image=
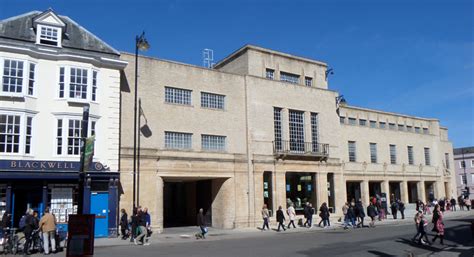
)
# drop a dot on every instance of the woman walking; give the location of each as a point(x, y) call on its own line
point(372, 213)
point(439, 225)
point(265, 217)
point(280, 218)
point(124, 224)
point(291, 215)
point(324, 214)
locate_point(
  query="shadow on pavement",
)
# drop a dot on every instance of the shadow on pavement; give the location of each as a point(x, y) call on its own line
point(380, 254)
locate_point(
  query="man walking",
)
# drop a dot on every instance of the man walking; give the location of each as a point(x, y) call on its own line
point(201, 222)
point(141, 228)
point(453, 204)
point(47, 225)
point(280, 219)
point(291, 216)
point(393, 208)
point(401, 208)
point(265, 217)
point(28, 230)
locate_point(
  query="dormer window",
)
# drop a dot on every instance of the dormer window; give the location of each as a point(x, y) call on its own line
point(49, 35)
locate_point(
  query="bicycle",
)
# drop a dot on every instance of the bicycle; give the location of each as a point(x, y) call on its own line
point(11, 242)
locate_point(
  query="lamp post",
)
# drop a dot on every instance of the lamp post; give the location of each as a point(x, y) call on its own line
point(140, 44)
point(340, 101)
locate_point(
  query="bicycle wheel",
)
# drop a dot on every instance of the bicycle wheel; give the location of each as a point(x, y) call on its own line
point(19, 245)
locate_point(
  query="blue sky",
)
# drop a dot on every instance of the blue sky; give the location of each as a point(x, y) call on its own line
point(405, 56)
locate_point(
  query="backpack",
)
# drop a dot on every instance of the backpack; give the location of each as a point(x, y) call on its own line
point(22, 223)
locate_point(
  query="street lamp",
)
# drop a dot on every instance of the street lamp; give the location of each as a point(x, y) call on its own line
point(340, 102)
point(140, 44)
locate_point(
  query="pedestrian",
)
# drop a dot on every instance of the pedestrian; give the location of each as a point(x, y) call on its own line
point(351, 215)
point(280, 219)
point(201, 222)
point(442, 204)
point(308, 214)
point(265, 217)
point(291, 216)
point(324, 214)
point(344, 211)
point(393, 208)
point(380, 210)
point(418, 205)
point(372, 213)
point(134, 224)
point(439, 225)
point(435, 218)
point(124, 224)
point(461, 203)
point(421, 230)
point(467, 203)
point(360, 213)
point(29, 226)
point(47, 226)
point(148, 223)
point(141, 222)
point(401, 208)
point(453, 204)
point(417, 220)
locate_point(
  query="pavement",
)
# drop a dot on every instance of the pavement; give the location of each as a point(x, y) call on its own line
point(186, 234)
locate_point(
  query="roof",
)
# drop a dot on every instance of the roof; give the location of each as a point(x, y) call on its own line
point(387, 113)
point(466, 150)
point(75, 36)
point(247, 47)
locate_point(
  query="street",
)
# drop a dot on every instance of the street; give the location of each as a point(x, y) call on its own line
point(378, 241)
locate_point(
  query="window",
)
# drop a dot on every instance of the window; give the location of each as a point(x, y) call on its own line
point(427, 156)
point(29, 131)
point(12, 76)
point(352, 150)
point(409, 128)
point(308, 81)
point(373, 124)
point(342, 119)
point(277, 128)
point(314, 132)
point(300, 190)
point(212, 101)
point(296, 126)
point(61, 82)
point(401, 127)
point(94, 85)
point(446, 160)
point(177, 96)
point(391, 126)
point(362, 122)
point(393, 154)
point(78, 83)
point(426, 131)
point(270, 74)
point(213, 143)
point(373, 153)
point(462, 164)
point(417, 129)
point(31, 79)
point(352, 121)
point(49, 35)
point(411, 160)
point(177, 140)
point(9, 133)
point(463, 179)
point(59, 137)
point(289, 77)
point(74, 137)
point(382, 125)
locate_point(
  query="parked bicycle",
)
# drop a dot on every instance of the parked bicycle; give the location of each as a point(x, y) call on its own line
point(12, 241)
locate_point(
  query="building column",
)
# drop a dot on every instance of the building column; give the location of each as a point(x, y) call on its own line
point(9, 198)
point(340, 193)
point(439, 188)
point(159, 206)
point(113, 208)
point(44, 198)
point(86, 206)
point(364, 192)
point(386, 189)
point(404, 191)
point(322, 189)
point(420, 186)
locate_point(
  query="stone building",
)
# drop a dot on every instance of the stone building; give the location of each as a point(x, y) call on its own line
point(464, 166)
point(260, 127)
point(51, 68)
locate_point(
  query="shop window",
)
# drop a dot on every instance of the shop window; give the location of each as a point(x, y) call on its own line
point(268, 190)
point(300, 190)
point(63, 202)
point(3, 200)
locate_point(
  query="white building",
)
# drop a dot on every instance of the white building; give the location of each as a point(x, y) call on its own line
point(51, 68)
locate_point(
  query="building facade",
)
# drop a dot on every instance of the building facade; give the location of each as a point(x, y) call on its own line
point(262, 127)
point(464, 167)
point(52, 68)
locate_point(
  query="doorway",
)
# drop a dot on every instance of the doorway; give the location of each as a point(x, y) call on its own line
point(353, 190)
point(100, 207)
point(412, 192)
point(182, 201)
point(24, 198)
point(375, 189)
point(394, 188)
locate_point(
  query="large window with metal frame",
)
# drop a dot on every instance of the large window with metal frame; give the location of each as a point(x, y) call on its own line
point(411, 160)
point(270, 73)
point(277, 128)
point(289, 77)
point(212, 101)
point(296, 126)
point(373, 152)
point(427, 156)
point(393, 154)
point(213, 143)
point(314, 132)
point(308, 81)
point(178, 140)
point(177, 96)
point(351, 145)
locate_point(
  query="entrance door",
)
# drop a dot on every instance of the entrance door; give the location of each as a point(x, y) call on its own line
point(353, 191)
point(24, 198)
point(182, 201)
point(412, 192)
point(100, 207)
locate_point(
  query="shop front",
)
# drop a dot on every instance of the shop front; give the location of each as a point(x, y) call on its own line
point(37, 184)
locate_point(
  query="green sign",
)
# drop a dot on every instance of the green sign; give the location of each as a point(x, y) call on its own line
point(88, 152)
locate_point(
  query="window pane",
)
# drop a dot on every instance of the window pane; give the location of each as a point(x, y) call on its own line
point(177, 96)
